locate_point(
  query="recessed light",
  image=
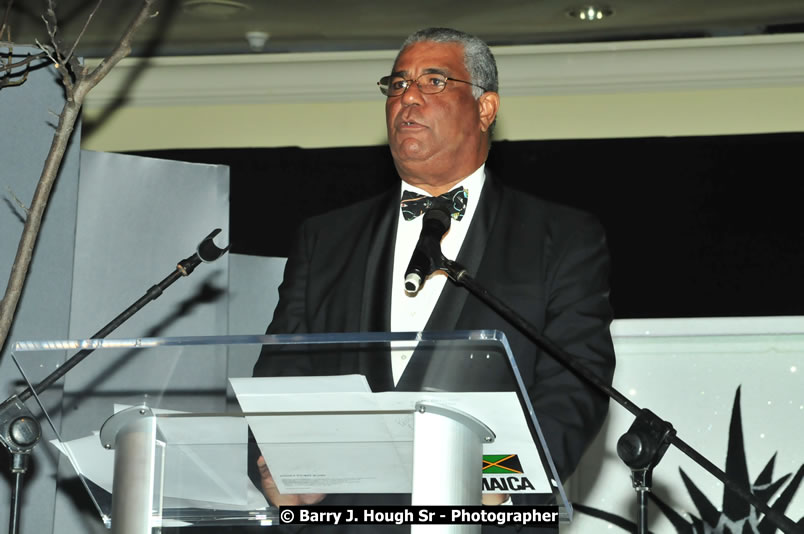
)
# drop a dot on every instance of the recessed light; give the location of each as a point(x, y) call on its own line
point(591, 13)
point(214, 8)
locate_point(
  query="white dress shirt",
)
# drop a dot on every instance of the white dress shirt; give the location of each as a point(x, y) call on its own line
point(410, 313)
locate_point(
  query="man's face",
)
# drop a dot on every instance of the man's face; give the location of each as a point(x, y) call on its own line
point(435, 137)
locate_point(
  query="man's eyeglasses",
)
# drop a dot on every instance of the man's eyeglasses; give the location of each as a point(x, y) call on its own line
point(429, 84)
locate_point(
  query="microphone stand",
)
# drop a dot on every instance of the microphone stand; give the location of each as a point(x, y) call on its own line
point(643, 446)
point(19, 429)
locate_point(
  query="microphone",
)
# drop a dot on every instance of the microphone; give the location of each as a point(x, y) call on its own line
point(435, 224)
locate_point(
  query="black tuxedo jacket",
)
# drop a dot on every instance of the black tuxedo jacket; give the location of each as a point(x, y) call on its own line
point(548, 262)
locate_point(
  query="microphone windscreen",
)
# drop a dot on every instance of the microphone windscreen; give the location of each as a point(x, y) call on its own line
point(437, 215)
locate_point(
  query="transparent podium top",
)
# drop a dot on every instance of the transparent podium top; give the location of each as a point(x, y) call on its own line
point(330, 413)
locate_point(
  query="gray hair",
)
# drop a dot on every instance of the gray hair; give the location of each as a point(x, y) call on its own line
point(477, 56)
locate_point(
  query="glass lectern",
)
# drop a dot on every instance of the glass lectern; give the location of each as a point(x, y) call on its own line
point(165, 431)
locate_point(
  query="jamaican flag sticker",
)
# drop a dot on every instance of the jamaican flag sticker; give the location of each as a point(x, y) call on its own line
point(502, 473)
point(501, 464)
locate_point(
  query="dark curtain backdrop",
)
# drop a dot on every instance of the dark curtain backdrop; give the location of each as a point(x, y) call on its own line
point(697, 226)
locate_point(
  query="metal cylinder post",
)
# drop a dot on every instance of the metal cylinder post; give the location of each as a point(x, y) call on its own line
point(137, 467)
point(447, 461)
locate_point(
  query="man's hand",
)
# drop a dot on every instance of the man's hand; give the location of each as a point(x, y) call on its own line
point(276, 498)
point(494, 499)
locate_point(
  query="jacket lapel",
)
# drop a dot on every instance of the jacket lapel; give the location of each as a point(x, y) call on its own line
point(375, 314)
point(375, 308)
point(450, 304)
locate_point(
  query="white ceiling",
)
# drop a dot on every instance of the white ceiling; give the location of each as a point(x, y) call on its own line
point(326, 25)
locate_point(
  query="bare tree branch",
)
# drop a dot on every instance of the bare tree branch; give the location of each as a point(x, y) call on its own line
point(19, 203)
point(76, 92)
point(21, 63)
point(52, 27)
point(4, 81)
point(84, 29)
point(63, 68)
point(10, 78)
point(47, 52)
point(123, 47)
point(12, 82)
point(4, 26)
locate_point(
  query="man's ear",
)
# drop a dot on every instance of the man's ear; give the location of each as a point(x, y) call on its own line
point(488, 104)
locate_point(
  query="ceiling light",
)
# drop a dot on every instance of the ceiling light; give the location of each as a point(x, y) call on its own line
point(591, 13)
point(256, 40)
point(213, 8)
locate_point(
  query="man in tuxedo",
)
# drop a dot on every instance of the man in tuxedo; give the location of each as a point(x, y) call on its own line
point(346, 271)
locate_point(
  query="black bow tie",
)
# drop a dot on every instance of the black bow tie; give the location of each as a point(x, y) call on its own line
point(454, 202)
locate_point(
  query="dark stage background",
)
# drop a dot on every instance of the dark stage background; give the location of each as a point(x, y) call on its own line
point(697, 226)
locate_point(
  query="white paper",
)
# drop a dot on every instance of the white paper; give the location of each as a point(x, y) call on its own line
point(313, 444)
point(278, 385)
